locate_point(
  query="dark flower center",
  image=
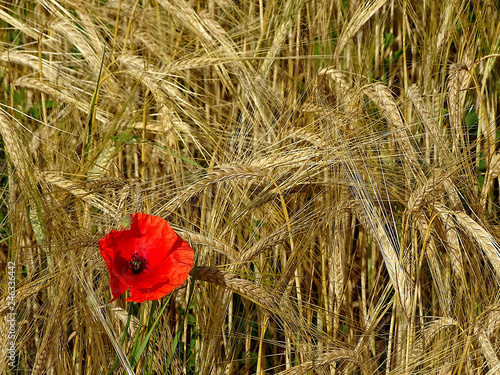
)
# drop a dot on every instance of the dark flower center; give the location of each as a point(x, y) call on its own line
point(137, 264)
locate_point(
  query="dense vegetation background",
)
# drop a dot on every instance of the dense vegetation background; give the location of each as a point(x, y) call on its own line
point(335, 160)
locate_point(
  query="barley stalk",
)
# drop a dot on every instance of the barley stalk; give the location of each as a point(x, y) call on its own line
point(245, 288)
point(324, 359)
point(382, 97)
point(484, 239)
point(211, 242)
point(222, 174)
point(457, 85)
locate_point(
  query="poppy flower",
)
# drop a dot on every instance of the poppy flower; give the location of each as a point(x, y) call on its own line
point(149, 258)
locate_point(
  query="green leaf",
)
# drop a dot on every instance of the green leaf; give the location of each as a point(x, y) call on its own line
point(191, 319)
point(123, 337)
point(136, 353)
point(397, 54)
point(388, 39)
point(471, 118)
point(178, 333)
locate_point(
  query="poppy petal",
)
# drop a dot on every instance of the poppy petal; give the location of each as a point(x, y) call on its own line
point(157, 237)
point(165, 259)
point(150, 294)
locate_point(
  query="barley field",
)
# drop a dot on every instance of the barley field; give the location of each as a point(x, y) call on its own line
point(333, 165)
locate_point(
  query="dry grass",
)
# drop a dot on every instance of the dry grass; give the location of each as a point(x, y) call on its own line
point(333, 164)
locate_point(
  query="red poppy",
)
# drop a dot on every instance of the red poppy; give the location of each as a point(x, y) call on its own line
point(150, 258)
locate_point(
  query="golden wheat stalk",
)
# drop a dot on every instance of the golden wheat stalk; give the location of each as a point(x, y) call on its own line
point(453, 247)
point(386, 240)
point(458, 83)
point(435, 263)
point(245, 288)
point(492, 172)
point(11, 137)
point(483, 238)
point(286, 21)
point(325, 359)
point(210, 242)
point(382, 97)
point(426, 337)
point(363, 13)
point(486, 347)
point(79, 193)
point(420, 194)
point(219, 175)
